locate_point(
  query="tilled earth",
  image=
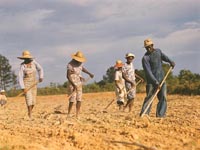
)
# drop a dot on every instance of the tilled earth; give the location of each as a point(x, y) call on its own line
point(99, 128)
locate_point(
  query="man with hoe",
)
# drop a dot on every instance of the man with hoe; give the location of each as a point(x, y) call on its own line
point(152, 65)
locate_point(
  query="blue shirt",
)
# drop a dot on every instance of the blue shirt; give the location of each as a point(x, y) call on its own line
point(152, 65)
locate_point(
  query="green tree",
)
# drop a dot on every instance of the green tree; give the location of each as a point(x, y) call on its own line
point(188, 83)
point(171, 81)
point(141, 86)
point(66, 84)
point(8, 79)
point(140, 73)
point(107, 84)
point(109, 77)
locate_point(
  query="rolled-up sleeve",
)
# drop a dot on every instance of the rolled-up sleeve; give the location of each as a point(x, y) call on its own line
point(21, 77)
point(39, 69)
point(166, 58)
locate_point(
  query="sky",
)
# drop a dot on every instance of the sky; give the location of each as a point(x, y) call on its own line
point(104, 30)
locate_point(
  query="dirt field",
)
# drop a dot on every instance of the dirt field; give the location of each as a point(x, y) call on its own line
point(99, 130)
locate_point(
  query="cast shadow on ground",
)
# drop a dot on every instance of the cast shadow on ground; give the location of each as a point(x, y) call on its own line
point(135, 144)
point(59, 112)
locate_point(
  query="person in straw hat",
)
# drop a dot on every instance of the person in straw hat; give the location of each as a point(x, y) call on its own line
point(119, 84)
point(130, 76)
point(27, 78)
point(152, 65)
point(74, 70)
point(3, 98)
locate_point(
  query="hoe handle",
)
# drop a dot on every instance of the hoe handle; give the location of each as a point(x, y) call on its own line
point(155, 94)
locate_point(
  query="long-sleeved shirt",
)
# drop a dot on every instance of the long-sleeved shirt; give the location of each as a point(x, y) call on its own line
point(22, 72)
point(152, 65)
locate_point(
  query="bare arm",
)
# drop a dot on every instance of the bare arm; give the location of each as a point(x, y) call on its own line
point(87, 72)
point(40, 71)
point(21, 77)
point(139, 77)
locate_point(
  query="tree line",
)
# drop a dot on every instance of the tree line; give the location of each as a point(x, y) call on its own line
point(185, 83)
point(8, 78)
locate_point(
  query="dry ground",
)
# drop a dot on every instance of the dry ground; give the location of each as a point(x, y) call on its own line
point(98, 130)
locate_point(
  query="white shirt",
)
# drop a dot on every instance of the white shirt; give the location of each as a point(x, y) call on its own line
point(129, 70)
point(119, 79)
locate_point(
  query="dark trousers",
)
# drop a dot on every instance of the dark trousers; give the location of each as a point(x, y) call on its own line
point(162, 102)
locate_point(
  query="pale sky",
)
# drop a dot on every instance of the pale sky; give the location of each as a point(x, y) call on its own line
point(104, 30)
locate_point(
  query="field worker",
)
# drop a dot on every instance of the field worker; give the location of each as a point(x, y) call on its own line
point(119, 84)
point(27, 78)
point(3, 98)
point(130, 76)
point(152, 65)
point(74, 70)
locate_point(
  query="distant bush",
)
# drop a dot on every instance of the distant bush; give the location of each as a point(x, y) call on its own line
point(13, 92)
point(90, 88)
point(52, 91)
point(186, 83)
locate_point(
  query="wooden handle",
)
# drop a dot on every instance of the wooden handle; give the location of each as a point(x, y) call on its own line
point(28, 89)
point(109, 104)
point(155, 94)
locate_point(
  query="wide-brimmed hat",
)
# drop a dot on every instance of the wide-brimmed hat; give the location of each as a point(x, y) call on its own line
point(148, 42)
point(25, 54)
point(129, 55)
point(2, 91)
point(78, 56)
point(119, 63)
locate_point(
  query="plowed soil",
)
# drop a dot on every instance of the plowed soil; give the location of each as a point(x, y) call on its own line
point(99, 128)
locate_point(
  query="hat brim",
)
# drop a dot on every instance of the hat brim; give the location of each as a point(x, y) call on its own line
point(78, 58)
point(147, 45)
point(119, 65)
point(130, 56)
point(25, 57)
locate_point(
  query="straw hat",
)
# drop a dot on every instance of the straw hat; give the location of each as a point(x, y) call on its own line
point(25, 54)
point(148, 42)
point(119, 63)
point(2, 91)
point(130, 55)
point(78, 56)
